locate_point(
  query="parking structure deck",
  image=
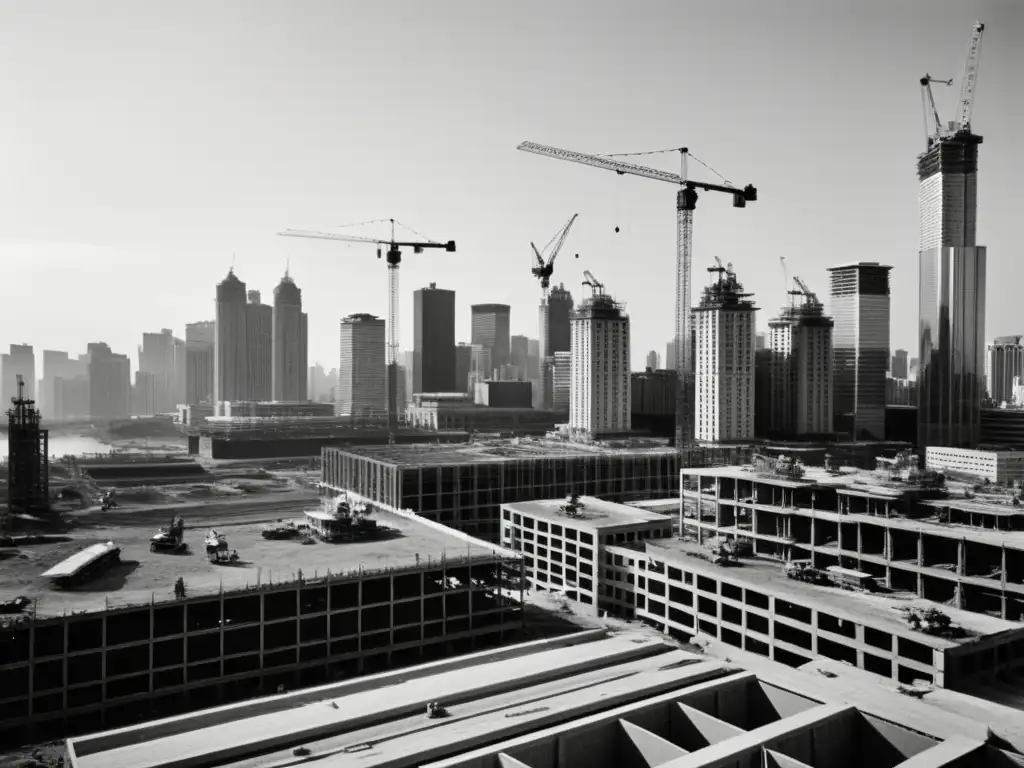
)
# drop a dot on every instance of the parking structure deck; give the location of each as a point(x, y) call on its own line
point(622, 701)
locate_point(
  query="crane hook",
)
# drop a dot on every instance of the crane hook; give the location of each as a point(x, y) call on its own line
point(616, 230)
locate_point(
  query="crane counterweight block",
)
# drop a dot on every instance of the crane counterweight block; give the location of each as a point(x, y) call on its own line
point(750, 193)
point(686, 200)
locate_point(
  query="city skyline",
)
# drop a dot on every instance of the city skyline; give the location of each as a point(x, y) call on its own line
point(64, 243)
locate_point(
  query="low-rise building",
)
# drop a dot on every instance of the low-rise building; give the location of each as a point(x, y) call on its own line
point(1002, 467)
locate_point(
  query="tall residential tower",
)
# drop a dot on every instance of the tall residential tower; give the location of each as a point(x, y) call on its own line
point(434, 366)
point(362, 368)
point(724, 361)
point(490, 329)
point(599, 388)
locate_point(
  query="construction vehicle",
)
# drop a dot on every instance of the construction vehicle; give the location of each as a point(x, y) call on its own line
point(802, 570)
point(281, 530)
point(17, 605)
point(394, 260)
point(215, 542)
point(783, 466)
point(934, 129)
point(847, 578)
point(107, 501)
point(342, 520)
point(436, 710)
point(931, 621)
point(546, 267)
point(686, 202)
point(170, 538)
point(224, 557)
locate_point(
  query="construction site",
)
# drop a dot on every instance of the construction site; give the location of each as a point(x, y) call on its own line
point(611, 697)
point(120, 621)
point(912, 530)
point(463, 486)
point(623, 561)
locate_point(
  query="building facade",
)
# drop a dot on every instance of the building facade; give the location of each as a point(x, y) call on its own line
point(724, 364)
point(900, 365)
point(110, 384)
point(200, 340)
point(290, 344)
point(800, 377)
point(519, 351)
point(362, 368)
point(599, 399)
point(1005, 368)
point(859, 305)
point(560, 371)
point(490, 329)
point(259, 357)
point(952, 276)
point(435, 365)
point(555, 336)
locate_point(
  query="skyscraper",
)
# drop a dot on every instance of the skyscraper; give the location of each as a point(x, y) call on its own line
point(952, 295)
point(599, 390)
point(1005, 363)
point(259, 342)
point(555, 336)
point(463, 366)
point(860, 309)
point(652, 360)
point(362, 368)
point(199, 342)
point(724, 362)
point(519, 351)
point(490, 328)
point(230, 353)
point(434, 341)
point(290, 344)
point(798, 397)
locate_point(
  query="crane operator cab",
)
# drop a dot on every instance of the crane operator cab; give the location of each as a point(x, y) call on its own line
point(749, 195)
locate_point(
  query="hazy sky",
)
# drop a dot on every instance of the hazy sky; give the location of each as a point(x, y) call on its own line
point(145, 142)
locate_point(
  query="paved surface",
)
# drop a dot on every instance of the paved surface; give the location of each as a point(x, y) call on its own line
point(143, 576)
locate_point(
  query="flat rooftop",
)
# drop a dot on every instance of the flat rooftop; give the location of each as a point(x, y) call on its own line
point(600, 699)
point(596, 513)
point(142, 576)
point(879, 610)
point(521, 449)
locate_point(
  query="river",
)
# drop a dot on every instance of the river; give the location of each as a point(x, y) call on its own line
point(65, 445)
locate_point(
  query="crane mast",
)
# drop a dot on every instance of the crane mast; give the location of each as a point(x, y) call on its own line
point(686, 203)
point(394, 261)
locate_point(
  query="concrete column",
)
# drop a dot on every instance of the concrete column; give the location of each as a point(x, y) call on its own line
point(1002, 581)
point(920, 564)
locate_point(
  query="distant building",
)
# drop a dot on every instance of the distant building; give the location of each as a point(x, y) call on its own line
point(289, 344)
point(463, 366)
point(652, 361)
point(532, 359)
point(561, 381)
point(519, 347)
point(490, 329)
point(1002, 467)
point(859, 305)
point(724, 362)
point(800, 398)
point(230, 353)
point(1005, 363)
point(200, 339)
point(110, 390)
point(56, 366)
point(760, 341)
point(259, 341)
point(362, 369)
point(434, 369)
point(555, 336)
point(670, 356)
point(144, 393)
point(480, 366)
point(157, 358)
point(21, 361)
point(599, 400)
point(504, 394)
point(900, 365)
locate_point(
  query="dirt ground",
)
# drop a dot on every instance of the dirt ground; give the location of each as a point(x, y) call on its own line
point(143, 576)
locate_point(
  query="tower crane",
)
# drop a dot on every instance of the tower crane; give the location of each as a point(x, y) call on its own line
point(596, 286)
point(546, 267)
point(686, 202)
point(802, 290)
point(394, 260)
point(965, 104)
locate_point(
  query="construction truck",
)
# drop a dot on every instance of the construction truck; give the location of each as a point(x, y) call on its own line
point(436, 710)
point(802, 570)
point(170, 538)
point(107, 501)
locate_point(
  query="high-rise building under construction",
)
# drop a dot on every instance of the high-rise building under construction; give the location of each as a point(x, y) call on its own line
point(27, 446)
point(952, 269)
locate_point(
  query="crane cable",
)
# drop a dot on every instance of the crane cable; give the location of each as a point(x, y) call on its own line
point(674, 149)
point(386, 221)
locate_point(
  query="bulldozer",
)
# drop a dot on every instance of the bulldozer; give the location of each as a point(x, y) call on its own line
point(170, 538)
